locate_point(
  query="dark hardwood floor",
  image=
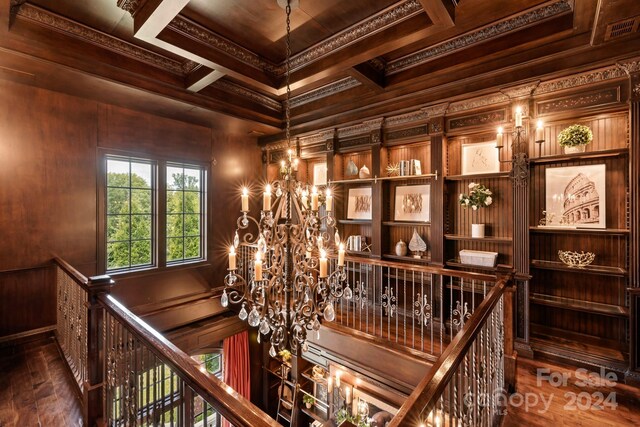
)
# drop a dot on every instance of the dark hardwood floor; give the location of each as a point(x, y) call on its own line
point(35, 387)
point(36, 390)
point(580, 400)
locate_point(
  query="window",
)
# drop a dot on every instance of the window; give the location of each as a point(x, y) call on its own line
point(205, 414)
point(135, 213)
point(129, 208)
point(184, 213)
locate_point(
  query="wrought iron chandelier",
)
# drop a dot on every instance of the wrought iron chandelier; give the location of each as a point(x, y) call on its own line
point(291, 288)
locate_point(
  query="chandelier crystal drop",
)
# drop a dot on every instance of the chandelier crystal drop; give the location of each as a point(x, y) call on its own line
point(289, 288)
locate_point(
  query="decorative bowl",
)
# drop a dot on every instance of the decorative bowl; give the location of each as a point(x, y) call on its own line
point(576, 259)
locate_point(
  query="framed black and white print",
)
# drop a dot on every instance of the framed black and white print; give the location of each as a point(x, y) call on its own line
point(575, 196)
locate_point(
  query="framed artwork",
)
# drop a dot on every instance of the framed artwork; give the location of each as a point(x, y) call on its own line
point(359, 203)
point(320, 174)
point(480, 158)
point(575, 196)
point(412, 203)
point(372, 407)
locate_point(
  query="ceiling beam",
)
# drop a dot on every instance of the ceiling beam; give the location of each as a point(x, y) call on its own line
point(441, 12)
point(369, 76)
point(201, 77)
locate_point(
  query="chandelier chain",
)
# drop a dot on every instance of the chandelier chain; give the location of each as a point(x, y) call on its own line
point(288, 76)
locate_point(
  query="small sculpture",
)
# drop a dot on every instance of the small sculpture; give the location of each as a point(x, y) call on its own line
point(351, 169)
point(401, 248)
point(576, 259)
point(417, 245)
point(364, 172)
point(393, 169)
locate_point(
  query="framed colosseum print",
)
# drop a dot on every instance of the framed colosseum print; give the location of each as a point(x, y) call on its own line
point(575, 196)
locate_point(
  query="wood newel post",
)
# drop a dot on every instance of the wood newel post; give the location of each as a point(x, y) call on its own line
point(93, 387)
point(510, 355)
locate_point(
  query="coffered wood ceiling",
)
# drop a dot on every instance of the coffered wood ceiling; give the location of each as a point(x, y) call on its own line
point(351, 59)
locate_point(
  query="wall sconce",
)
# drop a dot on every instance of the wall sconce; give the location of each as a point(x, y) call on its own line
point(519, 157)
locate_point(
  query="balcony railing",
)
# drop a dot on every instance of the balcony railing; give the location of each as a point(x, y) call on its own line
point(128, 374)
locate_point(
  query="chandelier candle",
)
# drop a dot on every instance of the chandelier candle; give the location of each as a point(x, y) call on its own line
point(329, 200)
point(245, 199)
point(323, 263)
point(258, 266)
point(341, 255)
point(232, 258)
point(266, 199)
point(314, 199)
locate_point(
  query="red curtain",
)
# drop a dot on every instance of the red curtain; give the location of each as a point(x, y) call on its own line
point(235, 356)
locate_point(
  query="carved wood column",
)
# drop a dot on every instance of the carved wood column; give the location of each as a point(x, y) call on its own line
point(375, 137)
point(438, 140)
point(521, 96)
point(633, 71)
point(634, 176)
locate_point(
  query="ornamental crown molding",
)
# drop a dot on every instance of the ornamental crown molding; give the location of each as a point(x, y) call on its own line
point(489, 32)
point(477, 102)
point(324, 91)
point(374, 124)
point(131, 6)
point(410, 117)
point(359, 129)
point(317, 138)
point(242, 91)
point(630, 66)
point(435, 110)
point(198, 32)
point(58, 23)
point(396, 13)
point(594, 76)
point(393, 15)
point(521, 91)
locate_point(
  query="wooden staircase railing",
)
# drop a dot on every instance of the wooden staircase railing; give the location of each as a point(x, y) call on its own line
point(467, 384)
point(129, 374)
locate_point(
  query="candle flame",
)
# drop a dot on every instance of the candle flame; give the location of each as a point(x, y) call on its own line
point(500, 130)
point(267, 189)
point(328, 192)
point(245, 191)
point(539, 124)
point(232, 250)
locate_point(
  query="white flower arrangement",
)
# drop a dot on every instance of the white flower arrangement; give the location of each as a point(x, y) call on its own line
point(479, 197)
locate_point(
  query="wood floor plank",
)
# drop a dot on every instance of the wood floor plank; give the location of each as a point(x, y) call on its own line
point(559, 395)
point(38, 390)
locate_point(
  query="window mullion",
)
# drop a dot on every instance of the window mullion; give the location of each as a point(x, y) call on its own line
point(161, 214)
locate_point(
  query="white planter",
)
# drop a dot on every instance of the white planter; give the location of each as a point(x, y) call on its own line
point(477, 231)
point(483, 258)
point(575, 149)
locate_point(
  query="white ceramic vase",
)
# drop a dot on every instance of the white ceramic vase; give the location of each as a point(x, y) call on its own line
point(575, 149)
point(477, 231)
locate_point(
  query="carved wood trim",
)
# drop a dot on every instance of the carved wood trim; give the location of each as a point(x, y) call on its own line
point(131, 6)
point(393, 15)
point(236, 89)
point(480, 119)
point(185, 26)
point(66, 26)
point(590, 77)
point(325, 91)
point(584, 100)
point(407, 133)
point(489, 32)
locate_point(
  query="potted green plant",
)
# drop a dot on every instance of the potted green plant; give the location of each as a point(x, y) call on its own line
point(479, 197)
point(575, 138)
point(308, 400)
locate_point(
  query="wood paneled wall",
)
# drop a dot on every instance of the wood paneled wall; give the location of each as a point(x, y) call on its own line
point(49, 149)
